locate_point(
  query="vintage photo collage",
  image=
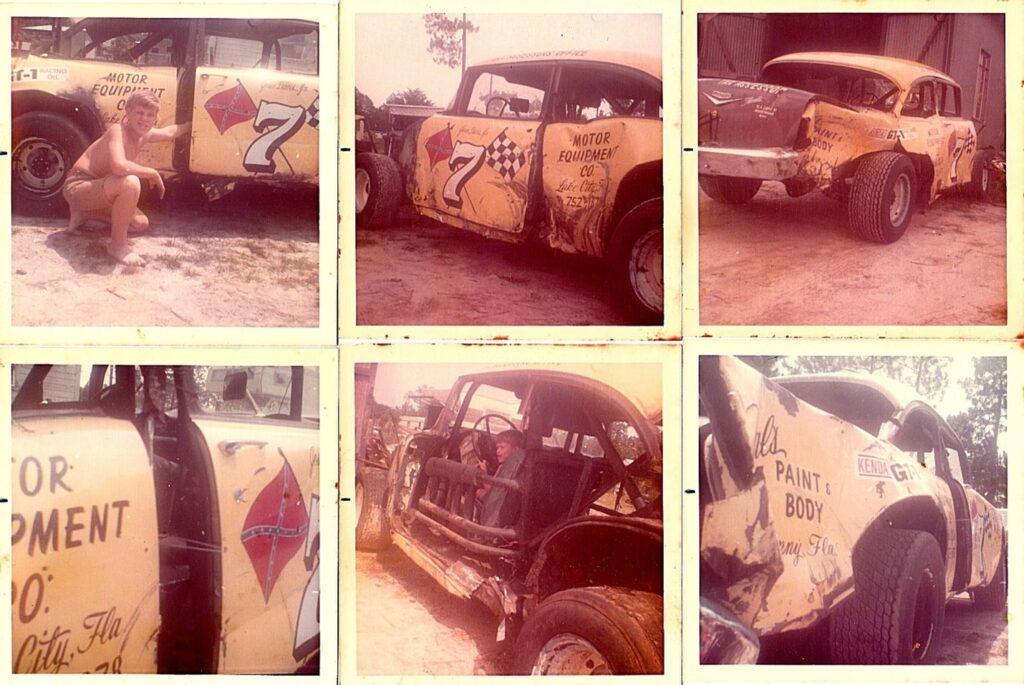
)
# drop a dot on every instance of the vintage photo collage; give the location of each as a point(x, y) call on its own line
point(371, 342)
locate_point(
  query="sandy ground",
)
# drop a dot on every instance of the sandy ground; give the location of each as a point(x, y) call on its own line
point(969, 636)
point(785, 261)
point(418, 272)
point(406, 624)
point(250, 259)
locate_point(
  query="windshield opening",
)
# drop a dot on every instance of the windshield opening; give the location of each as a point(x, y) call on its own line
point(847, 85)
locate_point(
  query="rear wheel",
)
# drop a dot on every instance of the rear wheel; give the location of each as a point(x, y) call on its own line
point(45, 147)
point(372, 532)
point(636, 257)
point(898, 606)
point(883, 197)
point(731, 190)
point(378, 189)
point(593, 631)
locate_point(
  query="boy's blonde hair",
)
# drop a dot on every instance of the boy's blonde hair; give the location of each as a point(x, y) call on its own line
point(142, 98)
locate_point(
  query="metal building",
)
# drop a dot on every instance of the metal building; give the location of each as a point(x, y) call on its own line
point(968, 47)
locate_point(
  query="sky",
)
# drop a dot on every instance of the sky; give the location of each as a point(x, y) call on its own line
point(391, 49)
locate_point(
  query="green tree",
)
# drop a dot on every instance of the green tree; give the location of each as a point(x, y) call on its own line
point(364, 105)
point(980, 426)
point(409, 96)
point(448, 38)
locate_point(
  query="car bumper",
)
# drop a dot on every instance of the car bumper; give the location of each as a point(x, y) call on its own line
point(767, 164)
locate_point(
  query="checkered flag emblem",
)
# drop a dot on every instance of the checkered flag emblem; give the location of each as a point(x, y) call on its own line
point(505, 157)
point(313, 113)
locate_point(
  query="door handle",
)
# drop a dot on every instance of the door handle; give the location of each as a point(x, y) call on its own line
point(229, 447)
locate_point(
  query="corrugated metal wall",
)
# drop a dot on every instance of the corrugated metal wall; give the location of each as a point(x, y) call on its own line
point(731, 45)
point(923, 38)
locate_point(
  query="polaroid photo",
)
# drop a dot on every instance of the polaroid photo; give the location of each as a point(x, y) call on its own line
point(852, 504)
point(511, 174)
point(516, 512)
point(852, 171)
point(171, 173)
point(170, 512)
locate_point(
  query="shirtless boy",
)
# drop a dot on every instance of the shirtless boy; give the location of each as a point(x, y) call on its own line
point(105, 182)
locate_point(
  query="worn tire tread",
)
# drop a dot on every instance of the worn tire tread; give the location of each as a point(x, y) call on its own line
point(385, 189)
point(372, 532)
point(730, 190)
point(867, 205)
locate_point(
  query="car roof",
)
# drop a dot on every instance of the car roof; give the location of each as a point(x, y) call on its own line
point(897, 394)
point(645, 62)
point(638, 383)
point(902, 72)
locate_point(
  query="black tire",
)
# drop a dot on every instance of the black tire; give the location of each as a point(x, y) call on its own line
point(372, 531)
point(378, 189)
point(45, 147)
point(731, 190)
point(624, 626)
point(992, 597)
point(636, 259)
point(898, 605)
point(874, 213)
point(980, 187)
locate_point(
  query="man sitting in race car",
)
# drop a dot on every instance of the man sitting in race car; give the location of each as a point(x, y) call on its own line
point(498, 506)
point(105, 182)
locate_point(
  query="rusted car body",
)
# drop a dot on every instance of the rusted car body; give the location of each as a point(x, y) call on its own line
point(558, 148)
point(574, 576)
point(163, 525)
point(824, 498)
point(883, 134)
point(249, 87)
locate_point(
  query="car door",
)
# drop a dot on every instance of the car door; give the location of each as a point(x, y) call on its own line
point(959, 140)
point(606, 121)
point(255, 113)
point(86, 570)
point(474, 164)
point(265, 455)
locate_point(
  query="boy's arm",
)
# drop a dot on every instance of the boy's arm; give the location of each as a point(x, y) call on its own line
point(160, 135)
point(120, 165)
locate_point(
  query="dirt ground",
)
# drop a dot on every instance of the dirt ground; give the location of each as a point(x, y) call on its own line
point(784, 261)
point(417, 272)
point(969, 636)
point(249, 259)
point(398, 604)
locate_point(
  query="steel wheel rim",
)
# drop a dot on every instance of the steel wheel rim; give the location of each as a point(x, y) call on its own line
point(646, 270)
point(362, 189)
point(924, 620)
point(39, 165)
point(984, 179)
point(900, 200)
point(569, 654)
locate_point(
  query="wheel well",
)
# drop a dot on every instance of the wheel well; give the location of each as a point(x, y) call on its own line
point(598, 554)
point(642, 183)
point(925, 173)
point(914, 513)
point(81, 111)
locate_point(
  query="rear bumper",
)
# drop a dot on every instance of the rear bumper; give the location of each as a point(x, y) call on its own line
point(767, 164)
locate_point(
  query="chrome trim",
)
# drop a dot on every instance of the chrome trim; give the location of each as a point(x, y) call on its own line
point(767, 164)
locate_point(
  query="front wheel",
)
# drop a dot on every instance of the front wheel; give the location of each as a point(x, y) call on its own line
point(378, 189)
point(636, 257)
point(992, 597)
point(593, 631)
point(898, 605)
point(883, 197)
point(45, 147)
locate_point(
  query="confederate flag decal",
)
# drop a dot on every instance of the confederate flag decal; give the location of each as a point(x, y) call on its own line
point(275, 528)
point(230, 107)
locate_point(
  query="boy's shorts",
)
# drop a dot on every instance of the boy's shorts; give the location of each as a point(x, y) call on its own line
point(85, 193)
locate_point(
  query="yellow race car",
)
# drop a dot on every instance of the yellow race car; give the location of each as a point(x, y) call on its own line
point(165, 519)
point(249, 87)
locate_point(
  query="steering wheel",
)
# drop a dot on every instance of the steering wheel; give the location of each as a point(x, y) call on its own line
point(506, 105)
point(485, 450)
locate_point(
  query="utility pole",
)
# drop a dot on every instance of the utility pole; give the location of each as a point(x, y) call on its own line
point(463, 43)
